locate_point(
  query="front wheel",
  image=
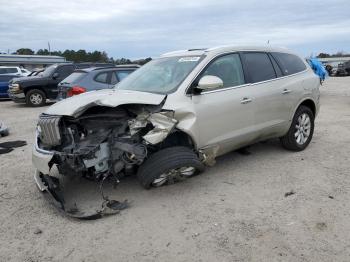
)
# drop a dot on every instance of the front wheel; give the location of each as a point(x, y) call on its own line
point(169, 165)
point(300, 132)
point(35, 98)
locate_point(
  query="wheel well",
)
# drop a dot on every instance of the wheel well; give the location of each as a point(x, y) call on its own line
point(178, 138)
point(310, 104)
point(32, 88)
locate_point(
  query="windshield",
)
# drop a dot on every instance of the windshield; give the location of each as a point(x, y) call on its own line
point(49, 71)
point(161, 76)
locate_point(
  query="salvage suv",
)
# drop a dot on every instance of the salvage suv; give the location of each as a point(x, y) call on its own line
point(177, 113)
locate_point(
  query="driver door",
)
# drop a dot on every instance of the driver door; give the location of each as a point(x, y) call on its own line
point(225, 116)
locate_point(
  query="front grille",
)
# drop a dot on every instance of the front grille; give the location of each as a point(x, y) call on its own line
point(49, 132)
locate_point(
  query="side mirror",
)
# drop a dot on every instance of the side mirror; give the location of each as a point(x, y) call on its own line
point(209, 82)
point(55, 75)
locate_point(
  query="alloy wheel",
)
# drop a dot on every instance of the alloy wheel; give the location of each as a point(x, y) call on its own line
point(36, 99)
point(174, 174)
point(302, 129)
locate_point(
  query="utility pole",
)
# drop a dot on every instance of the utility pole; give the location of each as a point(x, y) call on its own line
point(48, 43)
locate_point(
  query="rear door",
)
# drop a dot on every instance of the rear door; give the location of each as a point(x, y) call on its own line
point(271, 113)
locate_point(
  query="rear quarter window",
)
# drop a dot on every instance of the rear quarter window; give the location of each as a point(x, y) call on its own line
point(74, 77)
point(289, 63)
point(101, 78)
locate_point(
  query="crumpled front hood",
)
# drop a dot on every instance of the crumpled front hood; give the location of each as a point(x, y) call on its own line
point(76, 105)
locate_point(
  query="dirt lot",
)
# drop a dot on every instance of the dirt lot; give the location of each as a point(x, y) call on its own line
point(235, 211)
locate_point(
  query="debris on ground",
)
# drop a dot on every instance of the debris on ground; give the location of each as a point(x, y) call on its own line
point(4, 131)
point(51, 185)
point(195, 235)
point(5, 150)
point(7, 147)
point(244, 151)
point(37, 231)
point(331, 197)
point(321, 226)
point(289, 193)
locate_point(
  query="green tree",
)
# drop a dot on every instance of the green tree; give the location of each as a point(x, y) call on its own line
point(25, 51)
point(43, 52)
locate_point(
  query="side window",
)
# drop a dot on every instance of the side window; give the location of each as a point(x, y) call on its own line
point(12, 70)
point(259, 67)
point(114, 78)
point(122, 74)
point(289, 63)
point(228, 68)
point(64, 71)
point(102, 78)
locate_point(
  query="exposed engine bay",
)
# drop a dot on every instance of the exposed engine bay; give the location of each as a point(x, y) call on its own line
point(102, 142)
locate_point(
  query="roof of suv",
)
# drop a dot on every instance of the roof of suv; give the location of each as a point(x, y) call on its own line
point(90, 69)
point(223, 49)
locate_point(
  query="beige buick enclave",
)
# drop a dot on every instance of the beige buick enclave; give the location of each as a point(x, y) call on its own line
point(177, 113)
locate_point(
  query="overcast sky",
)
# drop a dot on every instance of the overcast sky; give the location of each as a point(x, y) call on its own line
point(142, 28)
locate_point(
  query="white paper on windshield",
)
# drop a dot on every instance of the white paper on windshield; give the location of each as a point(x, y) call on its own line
point(189, 59)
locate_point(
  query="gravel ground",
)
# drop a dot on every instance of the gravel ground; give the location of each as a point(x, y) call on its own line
point(235, 211)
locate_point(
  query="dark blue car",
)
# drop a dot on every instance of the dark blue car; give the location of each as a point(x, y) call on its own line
point(4, 85)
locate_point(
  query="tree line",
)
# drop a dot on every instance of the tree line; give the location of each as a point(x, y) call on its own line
point(83, 56)
point(337, 54)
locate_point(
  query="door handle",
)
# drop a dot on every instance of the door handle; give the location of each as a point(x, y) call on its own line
point(286, 91)
point(246, 100)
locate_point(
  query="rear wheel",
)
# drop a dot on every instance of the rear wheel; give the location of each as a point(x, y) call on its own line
point(35, 98)
point(168, 166)
point(301, 131)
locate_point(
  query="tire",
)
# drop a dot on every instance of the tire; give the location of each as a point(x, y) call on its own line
point(291, 140)
point(35, 98)
point(173, 163)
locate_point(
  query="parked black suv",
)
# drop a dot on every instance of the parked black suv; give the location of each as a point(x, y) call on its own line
point(35, 90)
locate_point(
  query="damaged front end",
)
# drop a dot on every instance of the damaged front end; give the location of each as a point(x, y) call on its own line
point(101, 143)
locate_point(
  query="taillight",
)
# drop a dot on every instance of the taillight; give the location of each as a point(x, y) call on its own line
point(75, 90)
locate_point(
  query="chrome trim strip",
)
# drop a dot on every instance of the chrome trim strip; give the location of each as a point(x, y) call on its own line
point(224, 89)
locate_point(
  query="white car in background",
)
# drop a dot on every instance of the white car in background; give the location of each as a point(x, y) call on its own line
point(14, 70)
